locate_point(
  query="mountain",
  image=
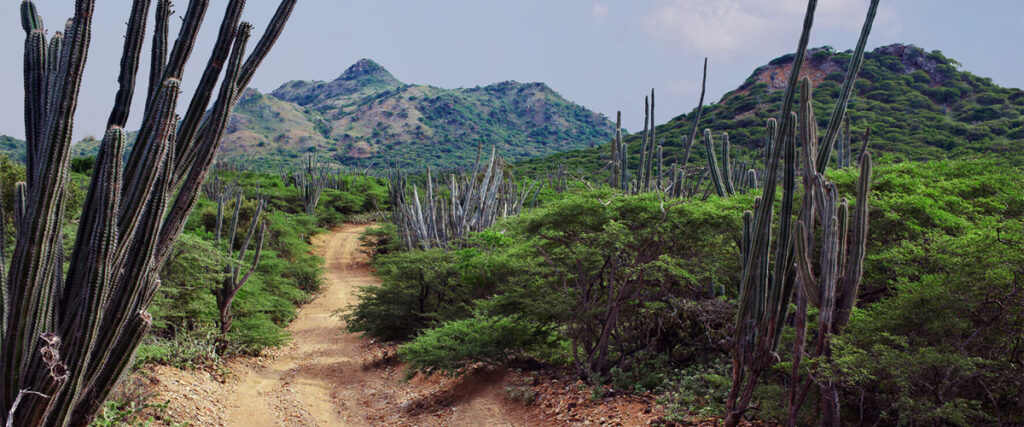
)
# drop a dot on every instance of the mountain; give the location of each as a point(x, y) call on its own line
point(918, 104)
point(367, 115)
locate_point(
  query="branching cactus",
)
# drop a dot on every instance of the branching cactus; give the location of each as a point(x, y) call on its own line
point(67, 338)
point(234, 278)
point(767, 279)
point(311, 181)
point(468, 203)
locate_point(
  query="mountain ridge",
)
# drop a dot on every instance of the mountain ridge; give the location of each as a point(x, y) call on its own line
point(919, 106)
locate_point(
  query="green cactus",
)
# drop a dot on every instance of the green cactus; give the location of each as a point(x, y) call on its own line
point(225, 295)
point(688, 143)
point(616, 151)
point(716, 176)
point(68, 337)
point(764, 298)
point(727, 165)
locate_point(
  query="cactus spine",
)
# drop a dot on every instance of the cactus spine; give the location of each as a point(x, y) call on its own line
point(69, 338)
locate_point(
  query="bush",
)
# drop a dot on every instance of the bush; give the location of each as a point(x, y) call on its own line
point(454, 345)
point(417, 288)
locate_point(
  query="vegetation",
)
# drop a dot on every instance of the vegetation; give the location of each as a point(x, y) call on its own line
point(68, 337)
point(367, 117)
point(918, 104)
point(622, 285)
point(937, 229)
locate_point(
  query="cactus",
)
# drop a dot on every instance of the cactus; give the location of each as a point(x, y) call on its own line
point(716, 176)
point(616, 151)
point(645, 139)
point(232, 282)
point(727, 164)
point(764, 298)
point(649, 158)
point(696, 120)
point(311, 181)
point(67, 339)
point(472, 202)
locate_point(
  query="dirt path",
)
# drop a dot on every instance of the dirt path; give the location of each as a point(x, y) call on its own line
point(326, 377)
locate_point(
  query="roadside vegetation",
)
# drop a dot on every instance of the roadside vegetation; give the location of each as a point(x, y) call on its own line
point(615, 290)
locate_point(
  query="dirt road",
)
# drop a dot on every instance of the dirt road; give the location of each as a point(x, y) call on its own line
point(326, 377)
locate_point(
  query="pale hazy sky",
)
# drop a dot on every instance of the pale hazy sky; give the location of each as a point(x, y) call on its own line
point(603, 54)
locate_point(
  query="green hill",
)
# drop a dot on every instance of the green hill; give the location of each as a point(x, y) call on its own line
point(367, 115)
point(918, 104)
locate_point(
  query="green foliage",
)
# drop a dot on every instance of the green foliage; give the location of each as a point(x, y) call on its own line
point(510, 277)
point(454, 345)
point(697, 389)
point(941, 349)
point(83, 165)
point(417, 287)
point(11, 173)
point(184, 309)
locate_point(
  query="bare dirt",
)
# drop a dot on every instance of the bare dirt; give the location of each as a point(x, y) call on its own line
point(326, 377)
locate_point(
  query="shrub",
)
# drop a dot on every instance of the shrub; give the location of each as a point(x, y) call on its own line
point(454, 345)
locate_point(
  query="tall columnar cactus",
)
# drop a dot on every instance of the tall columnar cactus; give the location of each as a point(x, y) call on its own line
point(624, 167)
point(649, 158)
point(688, 143)
point(840, 261)
point(644, 142)
point(468, 203)
point(727, 165)
point(764, 297)
point(68, 338)
point(233, 282)
point(311, 181)
point(616, 151)
point(723, 184)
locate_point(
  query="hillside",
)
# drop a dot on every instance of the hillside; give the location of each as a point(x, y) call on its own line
point(919, 106)
point(367, 115)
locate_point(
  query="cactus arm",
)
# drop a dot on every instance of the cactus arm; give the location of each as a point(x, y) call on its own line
point(205, 153)
point(256, 256)
point(858, 246)
point(727, 164)
point(204, 90)
point(808, 282)
point(158, 51)
point(716, 176)
point(262, 48)
point(688, 143)
point(643, 146)
point(129, 63)
point(844, 95)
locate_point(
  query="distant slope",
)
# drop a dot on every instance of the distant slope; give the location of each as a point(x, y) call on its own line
point(12, 147)
point(919, 106)
point(367, 115)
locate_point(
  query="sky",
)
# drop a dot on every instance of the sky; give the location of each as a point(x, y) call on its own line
point(603, 54)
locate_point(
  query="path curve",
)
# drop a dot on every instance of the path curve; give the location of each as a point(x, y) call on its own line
point(327, 377)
